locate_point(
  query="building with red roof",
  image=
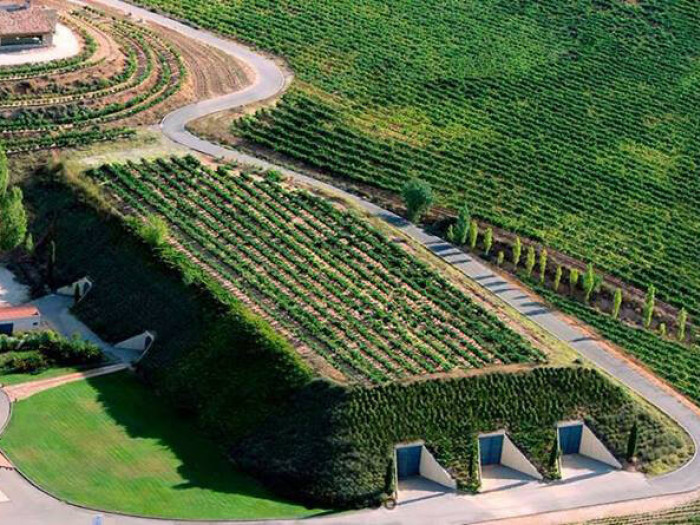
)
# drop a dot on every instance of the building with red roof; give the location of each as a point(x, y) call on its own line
point(14, 319)
point(25, 25)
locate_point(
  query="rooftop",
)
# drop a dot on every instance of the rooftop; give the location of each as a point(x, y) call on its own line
point(34, 20)
point(16, 312)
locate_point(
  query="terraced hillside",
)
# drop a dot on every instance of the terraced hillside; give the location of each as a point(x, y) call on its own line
point(573, 122)
point(343, 291)
point(127, 74)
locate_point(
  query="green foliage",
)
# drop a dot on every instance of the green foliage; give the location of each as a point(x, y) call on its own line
point(589, 282)
point(154, 230)
point(517, 252)
point(573, 279)
point(418, 197)
point(488, 241)
point(452, 235)
point(4, 173)
point(473, 234)
point(334, 445)
point(530, 260)
point(462, 226)
point(13, 219)
point(662, 329)
point(543, 264)
point(681, 324)
point(29, 244)
point(557, 278)
point(35, 351)
point(632, 442)
point(617, 303)
point(553, 460)
point(499, 258)
point(649, 302)
point(237, 224)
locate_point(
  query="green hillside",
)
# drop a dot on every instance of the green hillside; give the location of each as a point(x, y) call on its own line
point(574, 122)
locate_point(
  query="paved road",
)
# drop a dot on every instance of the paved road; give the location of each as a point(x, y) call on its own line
point(28, 504)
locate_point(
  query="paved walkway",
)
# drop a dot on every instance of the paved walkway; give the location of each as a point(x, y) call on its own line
point(66, 45)
point(32, 506)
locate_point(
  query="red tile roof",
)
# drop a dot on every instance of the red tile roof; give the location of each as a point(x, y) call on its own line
point(18, 312)
point(32, 21)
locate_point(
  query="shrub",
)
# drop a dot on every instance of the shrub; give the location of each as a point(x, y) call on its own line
point(517, 252)
point(462, 226)
point(573, 279)
point(530, 260)
point(649, 306)
point(488, 241)
point(681, 323)
point(557, 278)
point(418, 197)
point(589, 282)
point(617, 303)
point(543, 264)
point(153, 230)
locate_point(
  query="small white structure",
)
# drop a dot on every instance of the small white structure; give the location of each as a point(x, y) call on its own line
point(576, 438)
point(141, 342)
point(496, 448)
point(414, 459)
point(15, 319)
point(84, 285)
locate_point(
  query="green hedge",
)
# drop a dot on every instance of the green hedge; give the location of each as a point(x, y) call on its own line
point(334, 445)
point(36, 351)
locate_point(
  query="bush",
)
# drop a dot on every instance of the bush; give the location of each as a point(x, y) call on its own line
point(418, 197)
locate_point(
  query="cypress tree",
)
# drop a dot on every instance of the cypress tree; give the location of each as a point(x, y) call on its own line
point(13, 219)
point(473, 234)
point(617, 303)
point(530, 260)
point(451, 235)
point(554, 455)
point(517, 252)
point(573, 280)
point(589, 281)
point(662, 329)
point(52, 263)
point(557, 278)
point(4, 173)
point(29, 244)
point(682, 322)
point(499, 258)
point(543, 264)
point(649, 306)
point(488, 241)
point(462, 226)
point(76, 293)
point(632, 442)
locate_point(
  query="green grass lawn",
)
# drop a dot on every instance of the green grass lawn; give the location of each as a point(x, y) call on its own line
point(109, 443)
point(16, 378)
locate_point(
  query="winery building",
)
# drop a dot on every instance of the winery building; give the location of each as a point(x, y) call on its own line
point(24, 25)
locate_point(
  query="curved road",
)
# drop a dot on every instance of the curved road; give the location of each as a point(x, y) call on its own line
point(28, 505)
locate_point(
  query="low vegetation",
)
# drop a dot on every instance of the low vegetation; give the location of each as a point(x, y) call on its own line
point(113, 451)
point(331, 281)
point(36, 352)
point(688, 514)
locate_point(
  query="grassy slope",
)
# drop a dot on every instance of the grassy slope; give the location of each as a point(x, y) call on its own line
point(117, 447)
point(16, 378)
point(573, 122)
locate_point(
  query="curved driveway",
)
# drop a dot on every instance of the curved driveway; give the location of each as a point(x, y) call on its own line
point(30, 506)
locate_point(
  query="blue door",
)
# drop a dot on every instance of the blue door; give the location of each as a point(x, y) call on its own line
point(490, 449)
point(570, 439)
point(6, 328)
point(408, 461)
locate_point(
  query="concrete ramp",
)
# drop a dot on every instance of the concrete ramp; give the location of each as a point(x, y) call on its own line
point(497, 449)
point(576, 438)
point(414, 460)
point(141, 342)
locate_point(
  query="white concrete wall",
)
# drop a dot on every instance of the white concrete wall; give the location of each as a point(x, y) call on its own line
point(138, 342)
point(431, 469)
point(592, 447)
point(23, 324)
point(85, 286)
point(511, 457)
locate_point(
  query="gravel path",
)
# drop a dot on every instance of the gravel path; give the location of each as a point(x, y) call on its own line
point(529, 499)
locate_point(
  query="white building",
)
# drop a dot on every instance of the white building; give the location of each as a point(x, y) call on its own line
point(15, 319)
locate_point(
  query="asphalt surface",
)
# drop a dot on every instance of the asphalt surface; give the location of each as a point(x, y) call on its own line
point(29, 506)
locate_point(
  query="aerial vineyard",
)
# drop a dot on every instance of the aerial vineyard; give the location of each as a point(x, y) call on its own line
point(332, 282)
point(572, 122)
point(124, 69)
point(688, 514)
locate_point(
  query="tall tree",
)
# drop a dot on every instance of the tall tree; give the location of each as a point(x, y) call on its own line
point(13, 219)
point(473, 234)
point(530, 260)
point(543, 264)
point(632, 442)
point(617, 303)
point(462, 225)
point(4, 173)
point(589, 281)
point(488, 241)
point(573, 280)
point(517, 252)
point(418, 197)
point(649, 303)
point(557, 278)
point(681, 323)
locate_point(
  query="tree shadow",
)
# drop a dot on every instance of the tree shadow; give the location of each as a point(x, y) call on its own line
point(143, 415)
